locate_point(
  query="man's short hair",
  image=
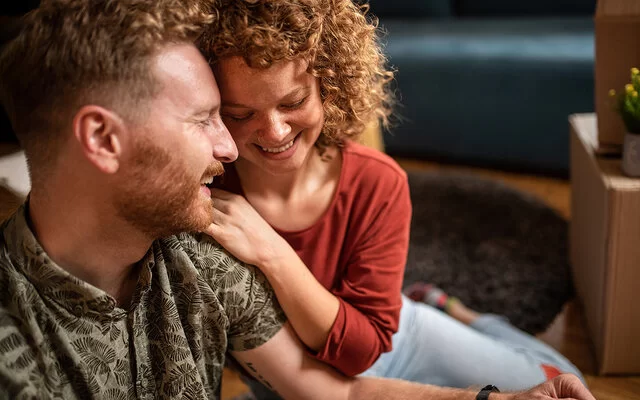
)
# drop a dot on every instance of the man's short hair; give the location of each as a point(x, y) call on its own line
point(70, 53)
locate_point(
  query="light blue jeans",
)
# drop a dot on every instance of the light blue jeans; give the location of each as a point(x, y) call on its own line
point(432, 347)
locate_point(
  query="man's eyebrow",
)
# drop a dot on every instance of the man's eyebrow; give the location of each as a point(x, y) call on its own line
point(304, 90)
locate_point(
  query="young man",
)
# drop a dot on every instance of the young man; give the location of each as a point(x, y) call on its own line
point(102, 296)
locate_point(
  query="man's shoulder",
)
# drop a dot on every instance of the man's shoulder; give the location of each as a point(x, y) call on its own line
point(208, 257)
point(243, 290)
point(190, 242)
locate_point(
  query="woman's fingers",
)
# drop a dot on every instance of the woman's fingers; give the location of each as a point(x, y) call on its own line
point(219, 216)
point(230, 204)
point(222, 194)
point(219, 229)
point(221, 205)
point(212, 230)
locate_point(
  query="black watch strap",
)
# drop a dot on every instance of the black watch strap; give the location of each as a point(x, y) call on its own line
point(485, 391)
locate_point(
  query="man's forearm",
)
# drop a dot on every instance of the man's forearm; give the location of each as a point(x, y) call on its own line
point(384, 389)
point(565, 386)
point(284, 366)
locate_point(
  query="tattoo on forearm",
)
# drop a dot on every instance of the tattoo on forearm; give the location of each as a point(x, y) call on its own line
point(261, 378)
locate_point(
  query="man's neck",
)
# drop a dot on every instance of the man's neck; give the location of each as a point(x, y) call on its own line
point(90, 243)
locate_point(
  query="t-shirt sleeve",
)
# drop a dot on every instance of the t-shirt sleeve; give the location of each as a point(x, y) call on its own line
point(248, 300)
point(370, 289)
point(253, 310)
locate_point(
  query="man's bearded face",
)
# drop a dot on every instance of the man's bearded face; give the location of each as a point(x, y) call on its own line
point(162, 195)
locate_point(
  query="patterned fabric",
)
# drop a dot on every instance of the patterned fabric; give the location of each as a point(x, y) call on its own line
point(63, 338)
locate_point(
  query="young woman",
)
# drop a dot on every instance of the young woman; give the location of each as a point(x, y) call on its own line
point(326, 219)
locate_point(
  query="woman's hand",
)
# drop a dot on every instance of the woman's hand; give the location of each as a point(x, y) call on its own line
point(239, 228)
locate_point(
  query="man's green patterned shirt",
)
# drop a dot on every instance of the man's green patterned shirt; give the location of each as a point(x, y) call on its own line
point(63, 338)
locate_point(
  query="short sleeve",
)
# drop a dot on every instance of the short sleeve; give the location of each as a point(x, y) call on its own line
point(246, 296)
point(253, 310)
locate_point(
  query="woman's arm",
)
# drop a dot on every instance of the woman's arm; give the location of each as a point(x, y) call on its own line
point(370, 280)
point(310, 308)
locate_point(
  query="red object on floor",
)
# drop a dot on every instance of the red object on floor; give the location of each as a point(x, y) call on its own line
point(550, 371)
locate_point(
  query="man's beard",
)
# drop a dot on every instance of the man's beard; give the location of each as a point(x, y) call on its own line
point(160, 196)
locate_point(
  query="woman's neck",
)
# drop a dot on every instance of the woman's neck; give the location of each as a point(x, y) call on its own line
point(293, 201)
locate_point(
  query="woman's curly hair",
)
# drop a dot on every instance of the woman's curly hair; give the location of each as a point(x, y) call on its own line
point(338, 39)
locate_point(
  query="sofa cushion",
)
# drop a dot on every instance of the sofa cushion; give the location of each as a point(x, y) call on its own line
point(524, 8)
point(493, 92)
point(412, 8)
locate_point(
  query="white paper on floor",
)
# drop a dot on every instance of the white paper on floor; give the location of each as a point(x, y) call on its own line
point(14, 173)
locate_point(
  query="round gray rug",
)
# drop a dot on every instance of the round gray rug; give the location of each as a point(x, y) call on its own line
point(497, 249)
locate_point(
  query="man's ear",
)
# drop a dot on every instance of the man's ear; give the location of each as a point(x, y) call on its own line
point(100, 133)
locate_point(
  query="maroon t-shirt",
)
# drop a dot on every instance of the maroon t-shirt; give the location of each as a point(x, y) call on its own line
point(358, 250)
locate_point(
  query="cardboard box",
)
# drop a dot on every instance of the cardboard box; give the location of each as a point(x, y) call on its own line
point(605, 249)
point(617, 49)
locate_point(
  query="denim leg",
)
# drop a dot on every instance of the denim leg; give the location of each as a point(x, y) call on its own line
point(431, 347)
point(499, 328)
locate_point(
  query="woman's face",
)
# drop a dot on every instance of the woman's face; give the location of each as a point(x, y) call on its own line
point(275, 115)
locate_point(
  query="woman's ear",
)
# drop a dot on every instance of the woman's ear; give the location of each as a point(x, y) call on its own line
point(100, 133)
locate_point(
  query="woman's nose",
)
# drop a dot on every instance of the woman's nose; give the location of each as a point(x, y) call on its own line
point(274, 130)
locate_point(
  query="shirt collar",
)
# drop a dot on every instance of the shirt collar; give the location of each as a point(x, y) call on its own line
point(51, 280)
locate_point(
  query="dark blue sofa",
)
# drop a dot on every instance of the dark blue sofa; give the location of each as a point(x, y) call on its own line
point(489, 82)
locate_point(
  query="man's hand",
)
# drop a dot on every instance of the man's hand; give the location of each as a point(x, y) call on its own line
point(561, 387)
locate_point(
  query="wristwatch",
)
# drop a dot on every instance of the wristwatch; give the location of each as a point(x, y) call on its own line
point(485, 391)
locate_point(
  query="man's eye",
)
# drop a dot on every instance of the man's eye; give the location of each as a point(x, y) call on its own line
point(295, 105)
point(205, 122)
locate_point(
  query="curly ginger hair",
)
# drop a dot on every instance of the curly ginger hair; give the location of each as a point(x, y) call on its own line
point(338, 38)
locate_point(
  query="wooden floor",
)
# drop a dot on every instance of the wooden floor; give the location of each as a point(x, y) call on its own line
point(567, 333)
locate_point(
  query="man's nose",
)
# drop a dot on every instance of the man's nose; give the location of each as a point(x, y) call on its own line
point(274, 129)
point(224, 148)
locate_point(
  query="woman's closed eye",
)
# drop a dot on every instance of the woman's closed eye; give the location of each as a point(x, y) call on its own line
point(248, 115)
point(297, 104)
